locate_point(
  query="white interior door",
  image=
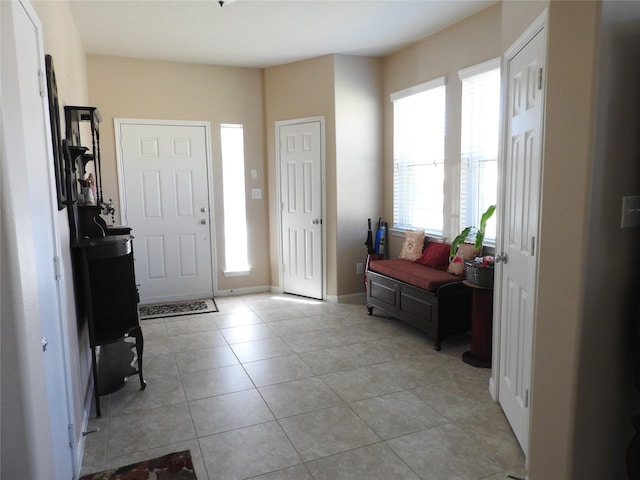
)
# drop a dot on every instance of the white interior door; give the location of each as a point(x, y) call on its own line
point(32, 238)
point(300, 156)
point(167, 204)
point(520, 230)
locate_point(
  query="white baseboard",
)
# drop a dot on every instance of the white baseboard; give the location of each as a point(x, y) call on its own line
point(80, 442)
point(350, 298)
point(241, 291)
point(492, 389)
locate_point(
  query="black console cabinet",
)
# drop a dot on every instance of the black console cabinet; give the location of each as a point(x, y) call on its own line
point(102, 257)
point(111, 305)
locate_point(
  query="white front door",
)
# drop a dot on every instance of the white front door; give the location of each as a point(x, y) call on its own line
point(520, 231)
point(167, 204)
point(300, 155)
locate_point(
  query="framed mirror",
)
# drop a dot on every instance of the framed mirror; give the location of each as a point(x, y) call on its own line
point(56, 136)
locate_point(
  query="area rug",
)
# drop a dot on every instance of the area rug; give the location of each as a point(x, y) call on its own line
point(173, 309)
point(174, 466)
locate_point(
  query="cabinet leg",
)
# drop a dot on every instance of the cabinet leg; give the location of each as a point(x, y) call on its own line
point(633, 452)
point(96, 389)
point(139, 352)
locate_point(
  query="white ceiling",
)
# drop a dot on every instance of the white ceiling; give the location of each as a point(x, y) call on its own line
point(260, 33)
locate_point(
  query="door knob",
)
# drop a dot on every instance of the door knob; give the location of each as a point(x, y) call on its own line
point(45, 342)
point(204, 209)
point(501, 258)
point(203, 221)
point(317, 221)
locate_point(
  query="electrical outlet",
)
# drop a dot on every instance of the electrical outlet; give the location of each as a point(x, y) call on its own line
point(359, 268)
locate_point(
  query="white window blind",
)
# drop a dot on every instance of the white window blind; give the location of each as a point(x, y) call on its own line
point(479, 144)
point(418, 157)
point(235, 211)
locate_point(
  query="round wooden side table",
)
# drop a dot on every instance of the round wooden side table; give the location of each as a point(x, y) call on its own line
point(481, 327)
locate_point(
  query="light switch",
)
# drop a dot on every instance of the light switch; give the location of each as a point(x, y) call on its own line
point(256, 193)
point(254, 174)
point(630, 212)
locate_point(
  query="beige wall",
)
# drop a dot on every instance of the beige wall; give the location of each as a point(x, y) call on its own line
point(469, 42)
point(516, 18)
point(302, 90)
point(345, 90)
point(358, 90)
point(610, 320)
point(128, 88)
point(62, 42)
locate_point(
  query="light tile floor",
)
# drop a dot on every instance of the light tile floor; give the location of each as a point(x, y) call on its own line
point(282, 387)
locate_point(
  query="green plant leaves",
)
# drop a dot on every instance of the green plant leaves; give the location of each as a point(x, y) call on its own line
point(478, 231)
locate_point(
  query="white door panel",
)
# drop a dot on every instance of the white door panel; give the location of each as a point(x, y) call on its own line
point(301, 193)
point(167, 200)
point(520, 229)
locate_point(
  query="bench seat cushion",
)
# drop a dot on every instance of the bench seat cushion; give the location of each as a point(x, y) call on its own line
point(413, 273)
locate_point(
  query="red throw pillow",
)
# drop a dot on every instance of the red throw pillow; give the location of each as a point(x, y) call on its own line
point(436, 255)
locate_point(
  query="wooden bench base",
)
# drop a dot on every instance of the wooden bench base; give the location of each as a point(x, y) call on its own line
point(445, 312)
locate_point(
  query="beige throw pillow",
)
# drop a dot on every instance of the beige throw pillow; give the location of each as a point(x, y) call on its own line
point(464, 252)
point(412, 245)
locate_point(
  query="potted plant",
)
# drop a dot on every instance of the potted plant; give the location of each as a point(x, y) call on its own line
point(479, 231)
point(480, 269)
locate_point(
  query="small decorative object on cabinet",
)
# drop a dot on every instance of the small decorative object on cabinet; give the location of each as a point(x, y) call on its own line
point(74, 116)
point(84, 178)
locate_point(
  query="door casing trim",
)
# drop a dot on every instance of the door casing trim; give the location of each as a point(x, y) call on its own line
point(283, 123)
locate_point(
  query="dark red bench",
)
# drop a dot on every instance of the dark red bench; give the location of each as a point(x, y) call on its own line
point(430, 299)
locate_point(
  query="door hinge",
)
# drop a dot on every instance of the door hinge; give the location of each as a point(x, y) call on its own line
point(57, 268)
point(72, 440)
point(526, 398)
point(540, 78)
point(43, 84)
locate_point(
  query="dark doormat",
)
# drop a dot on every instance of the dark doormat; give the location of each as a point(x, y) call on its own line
point(174, 309)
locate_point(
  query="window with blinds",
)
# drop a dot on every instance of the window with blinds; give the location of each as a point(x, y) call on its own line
point(418, 157)
point(479, 144)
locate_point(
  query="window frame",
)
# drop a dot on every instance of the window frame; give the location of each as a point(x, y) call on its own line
point(234, 193)
point(464, 197)
point(400, 220)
